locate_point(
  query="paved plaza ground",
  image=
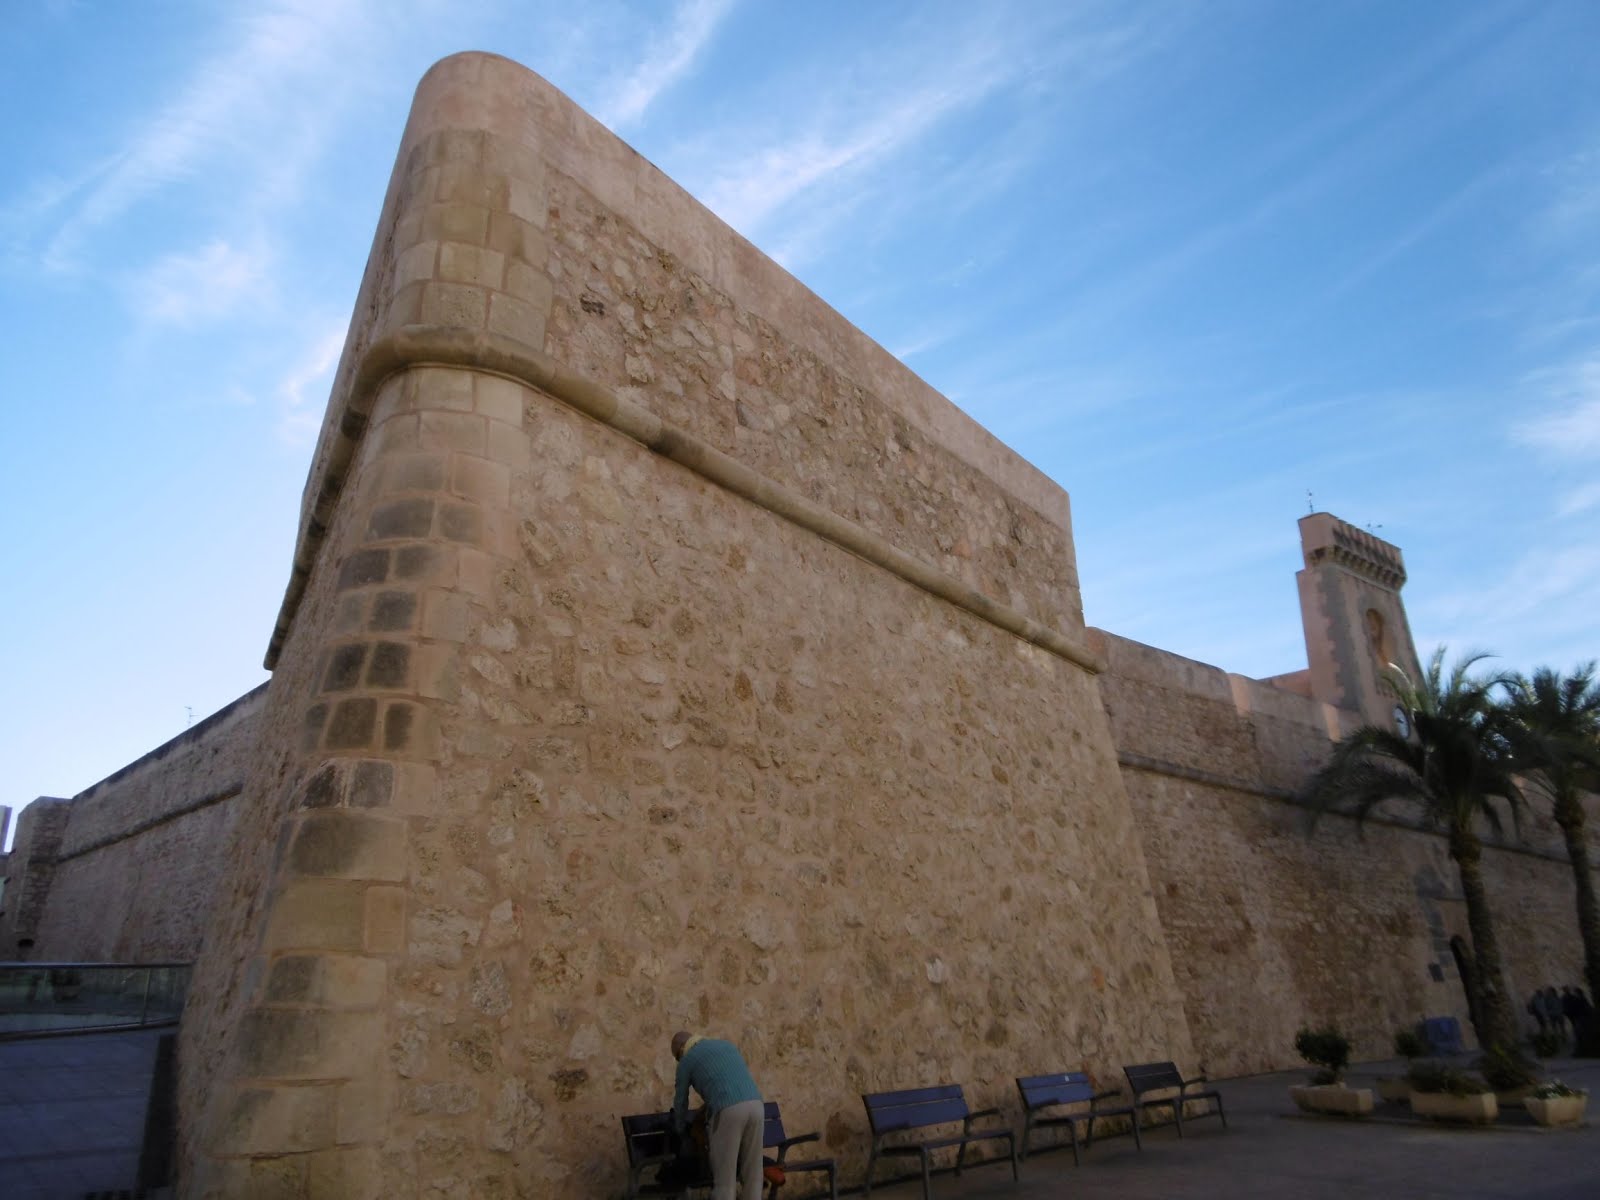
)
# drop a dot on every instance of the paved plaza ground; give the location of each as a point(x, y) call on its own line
point(72, 1117)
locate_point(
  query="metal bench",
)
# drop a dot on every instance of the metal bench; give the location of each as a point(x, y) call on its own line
point(773, 1138)
point(1041, 1093)
point(892, 1113)
point(1443, 1035)
point(650, 1145)
point(1145, 1078)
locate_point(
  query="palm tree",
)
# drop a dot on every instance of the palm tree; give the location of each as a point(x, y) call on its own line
point(1452, 764)
point(1555, 732)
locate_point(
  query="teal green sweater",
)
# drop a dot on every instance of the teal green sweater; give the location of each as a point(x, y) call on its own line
point(716, 1070)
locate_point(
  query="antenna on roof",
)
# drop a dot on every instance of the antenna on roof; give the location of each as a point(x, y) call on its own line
point(190, 721)
point(1311, 506)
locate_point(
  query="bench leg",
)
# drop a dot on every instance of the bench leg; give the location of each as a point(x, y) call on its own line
point(872, 1159)
point(927, 1178)
point(961, 1158)
point(1027, 1130)
point(833, 1183)
point(1177, 1114)
point(1012, 1142)
point(1222, 1116)
point(1138, 1142)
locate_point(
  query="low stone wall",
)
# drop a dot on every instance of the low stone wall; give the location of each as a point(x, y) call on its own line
point(134, 872)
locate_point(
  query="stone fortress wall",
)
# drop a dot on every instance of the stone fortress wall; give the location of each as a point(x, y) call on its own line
point(1272, 923)
point(661, 653)
point(126, 870)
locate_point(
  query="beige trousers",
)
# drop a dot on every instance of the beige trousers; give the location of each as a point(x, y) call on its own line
point(736, 1151)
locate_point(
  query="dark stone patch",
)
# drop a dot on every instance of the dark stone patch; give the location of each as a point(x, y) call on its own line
point(397, 726)
point(569, 1082)
point(461, 523)
point(364, 567)
point(410, 562)
point(328, 845)
point(291, 979)
point(311, 729)
point(391, 661)
point(353, 724)
point(401, 519)
point(393, 610)
point(592, 306)
point(325, 789)
point(372, 785)
point(344, 667)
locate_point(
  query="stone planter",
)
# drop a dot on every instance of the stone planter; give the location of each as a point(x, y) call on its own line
point(1333, 1098)
point(1558, 1110)
point(1478, 1109)
point(1394, 1091)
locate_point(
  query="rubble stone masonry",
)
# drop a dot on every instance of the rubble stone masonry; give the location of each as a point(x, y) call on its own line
point(660, 653)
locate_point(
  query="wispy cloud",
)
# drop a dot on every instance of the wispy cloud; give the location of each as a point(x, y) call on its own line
point(229, 104)
point(668, 61)
point(302, 392)
point(203, 285)
point(1570, 428)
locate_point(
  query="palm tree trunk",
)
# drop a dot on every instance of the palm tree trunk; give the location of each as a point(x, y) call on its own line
point(1569, 815)
point(1495, 1024)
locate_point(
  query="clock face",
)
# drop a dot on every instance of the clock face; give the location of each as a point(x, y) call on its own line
point(1402, 723)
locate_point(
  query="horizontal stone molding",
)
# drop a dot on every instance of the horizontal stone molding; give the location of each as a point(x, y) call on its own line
point(496, 354)
point(1172, 770)
point(143, 827)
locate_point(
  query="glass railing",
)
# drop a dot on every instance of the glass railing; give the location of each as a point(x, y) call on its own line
point(61, 997)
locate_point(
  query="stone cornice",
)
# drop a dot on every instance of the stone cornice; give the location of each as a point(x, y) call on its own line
point(1361, 554)
point(424, 345)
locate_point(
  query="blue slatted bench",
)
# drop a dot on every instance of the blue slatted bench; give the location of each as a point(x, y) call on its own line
point(892, 1113)
point(650, 1146)
point(1041, 1093)
point(773, 1138)
point(1144, 1078)
point(1443, 1035)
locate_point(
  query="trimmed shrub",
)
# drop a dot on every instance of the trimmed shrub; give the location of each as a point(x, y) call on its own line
point(1430, 1076)
point(1408, 1045)
point(1326, 1048)
point(1505, 1070)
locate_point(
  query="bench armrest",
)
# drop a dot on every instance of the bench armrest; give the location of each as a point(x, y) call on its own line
point(1188, 1083)
point(1108, 1094)
point(982, 1112)
point(783, 1146)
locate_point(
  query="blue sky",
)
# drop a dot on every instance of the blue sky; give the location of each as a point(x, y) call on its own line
point(1195, 260)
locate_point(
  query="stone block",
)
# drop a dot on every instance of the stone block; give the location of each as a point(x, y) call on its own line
point(325, 788)
point(526, 201)
point(362, 1112)
point(463, 433)
point(350, 613)
point(311, 727)
point(517, 319)
point(353, 724)
point(345, 1173)
point(415, 264)
point(416, 788)
point(326, 981)
point(456, 223)
point(343, 671)
point(385, 915)
point(422, 565)
point(499, 399)
point(310, 1043)
point(410, 518)
point(471, 183)
point(461, 522)
point(454, 305)
point(371, 784)
point(446, 616)
point(529, 284)
point(477, 573)
point(347, 844)
point(364, 567)
point(519, 240)
point(318, 914)
point(393, 612)
point(390, 665)
point(414, 473)
point(277, 1120)
point(475, 265)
